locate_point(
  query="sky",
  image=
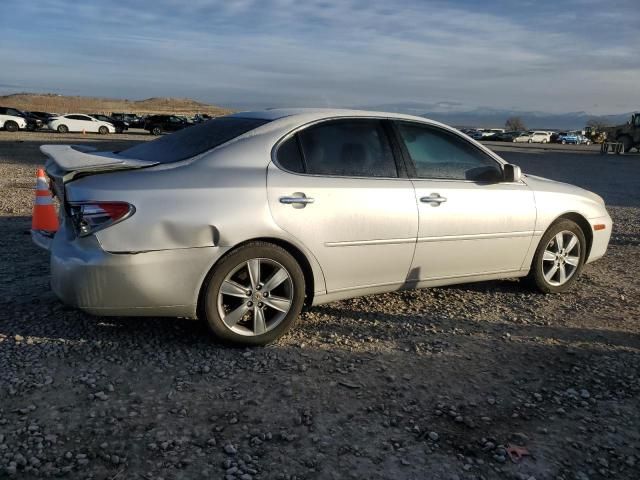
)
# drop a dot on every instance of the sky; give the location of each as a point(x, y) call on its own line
point(545, 55)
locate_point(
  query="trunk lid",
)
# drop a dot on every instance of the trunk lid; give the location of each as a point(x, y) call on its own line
point(66, 162)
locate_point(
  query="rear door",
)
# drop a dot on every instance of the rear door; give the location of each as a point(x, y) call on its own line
point(471, 222)
point(335, 186)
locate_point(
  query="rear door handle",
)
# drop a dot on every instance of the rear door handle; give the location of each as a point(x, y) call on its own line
point(434, 199)
point(298, 200)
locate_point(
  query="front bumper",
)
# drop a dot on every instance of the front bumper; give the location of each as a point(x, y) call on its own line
point(600, 237)
point(156, 283)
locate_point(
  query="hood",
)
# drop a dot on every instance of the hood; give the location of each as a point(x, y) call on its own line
point(545, 184)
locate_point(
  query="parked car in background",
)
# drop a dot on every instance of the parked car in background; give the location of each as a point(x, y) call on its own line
point(523, 137)
point(12, 123)
point(76, 122)
point(134, 120)
point(584, 140)
point(33, 123)
point(539, 136)
point(201, 117)
point(120, 125)
point(158, 124)
point(503, 137)
point(568, 137)
point(44, 116)
point(261, 213)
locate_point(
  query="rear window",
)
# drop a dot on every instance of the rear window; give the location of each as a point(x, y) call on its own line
point(193, 140)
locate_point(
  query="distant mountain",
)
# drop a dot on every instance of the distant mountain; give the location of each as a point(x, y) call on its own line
point(50, 102)
point(453, 113)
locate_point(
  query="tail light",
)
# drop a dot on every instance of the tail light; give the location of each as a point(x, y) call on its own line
point(90, 217)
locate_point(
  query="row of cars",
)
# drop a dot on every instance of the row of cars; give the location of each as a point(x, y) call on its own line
point(12, 119)
point(530, 136)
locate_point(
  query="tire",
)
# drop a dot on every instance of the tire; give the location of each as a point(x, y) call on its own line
point(564, 142)
point(11, 126)
point(63, 129)
point(234, 316)
point(544, 140)
point(103, 130)
point(541, 275)
point(156, 130)
point(627, 144)
point(119, 130)
point(529, 141)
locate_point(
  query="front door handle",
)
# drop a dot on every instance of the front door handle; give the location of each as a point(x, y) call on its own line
point(297, 200)
point(434, 199)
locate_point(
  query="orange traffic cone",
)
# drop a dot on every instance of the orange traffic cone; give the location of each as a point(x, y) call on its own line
point(44, 212)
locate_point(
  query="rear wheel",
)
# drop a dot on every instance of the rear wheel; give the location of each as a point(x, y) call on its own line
point(156, 130)
point(63, 129)
point(254, 295)
point(103, 130)
point(529, 141)
point(564, 142)
point(11, 126)
point(559, 257)
point(544, 140)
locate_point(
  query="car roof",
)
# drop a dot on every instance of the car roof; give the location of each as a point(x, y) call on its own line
point(310, 114)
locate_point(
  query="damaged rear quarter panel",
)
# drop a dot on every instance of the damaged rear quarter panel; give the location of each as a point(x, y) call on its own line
point(218, 199)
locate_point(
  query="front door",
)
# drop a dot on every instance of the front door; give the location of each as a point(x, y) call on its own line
point(336, 189)
point(471, 222)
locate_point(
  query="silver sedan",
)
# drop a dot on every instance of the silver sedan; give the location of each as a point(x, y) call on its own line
point(245, 219)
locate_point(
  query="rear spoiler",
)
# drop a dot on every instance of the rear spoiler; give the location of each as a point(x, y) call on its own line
point(69, 160)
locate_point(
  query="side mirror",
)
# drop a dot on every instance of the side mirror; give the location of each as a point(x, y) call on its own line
point(512, 173)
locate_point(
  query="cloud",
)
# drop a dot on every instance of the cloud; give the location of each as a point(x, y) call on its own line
point(542, 55)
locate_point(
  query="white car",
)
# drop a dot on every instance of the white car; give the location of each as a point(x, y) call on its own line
point(539, 137)
point(11, 123)
point(76, 122)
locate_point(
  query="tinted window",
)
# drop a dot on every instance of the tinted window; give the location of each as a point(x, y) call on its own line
point(349, 148)
point(436, 153)
point(289, 156)
point(193, 141)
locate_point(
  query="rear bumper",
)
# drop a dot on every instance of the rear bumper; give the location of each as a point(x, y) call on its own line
point(600, 237)
point(157, 283)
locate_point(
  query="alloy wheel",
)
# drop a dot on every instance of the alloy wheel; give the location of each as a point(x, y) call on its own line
point(561, 258)
point(255, 297)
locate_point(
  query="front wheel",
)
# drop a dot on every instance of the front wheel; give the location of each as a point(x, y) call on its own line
point(254, 295)
point(559, 257)
point(529, 141)
point(156, 131)
point(103, 130)
point(63, 129)
point(544, 140)
point(11, 126)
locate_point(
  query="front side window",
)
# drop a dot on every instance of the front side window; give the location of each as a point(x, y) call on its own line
point(354, 148)
point(436, 153)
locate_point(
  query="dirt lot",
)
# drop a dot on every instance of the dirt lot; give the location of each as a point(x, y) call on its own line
point(431, 384)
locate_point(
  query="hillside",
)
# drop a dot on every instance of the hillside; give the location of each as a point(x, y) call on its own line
point(66, 104)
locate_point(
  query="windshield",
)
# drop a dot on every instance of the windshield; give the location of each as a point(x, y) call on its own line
point(194, 140)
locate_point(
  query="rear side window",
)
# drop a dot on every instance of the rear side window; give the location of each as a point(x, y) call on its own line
point(289, 155)
point(354, 148)
point(436, 153)
point(193, 140)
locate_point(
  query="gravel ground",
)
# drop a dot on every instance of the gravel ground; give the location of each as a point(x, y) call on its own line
point(430, 384)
